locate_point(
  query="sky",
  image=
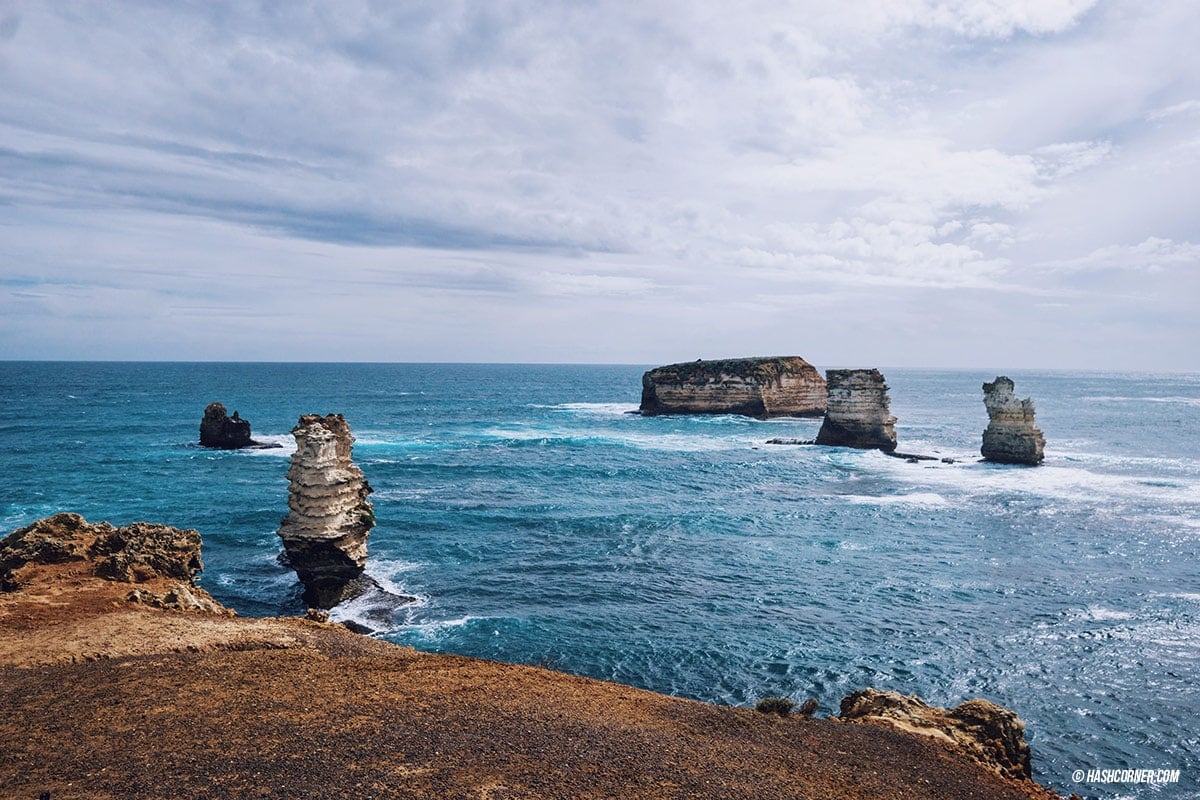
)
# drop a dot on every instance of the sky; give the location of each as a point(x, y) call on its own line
point(910, 183)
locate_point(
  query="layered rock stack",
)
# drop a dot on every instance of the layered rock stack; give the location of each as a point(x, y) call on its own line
point(325, 531)
point(857, 414)
point(784, 386)
point(1011, 436)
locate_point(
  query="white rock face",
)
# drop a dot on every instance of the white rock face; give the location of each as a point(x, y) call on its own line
point(1011, 436)
point(325, 531)
point(858, 413)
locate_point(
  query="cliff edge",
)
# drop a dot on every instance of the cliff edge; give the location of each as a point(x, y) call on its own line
point(109, 697)
point(783, 386)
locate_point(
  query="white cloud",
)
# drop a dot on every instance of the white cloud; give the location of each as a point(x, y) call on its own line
point(1148, 256)
point(1065, 158)
point(469, 156)
point(1188, 108)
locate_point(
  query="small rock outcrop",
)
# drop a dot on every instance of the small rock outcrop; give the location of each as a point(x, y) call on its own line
point(221, 431)
point(1011, 436)
point(162, 560)
point(857, 414)
point(325, 531)
point(988, 733)
point(785, 386)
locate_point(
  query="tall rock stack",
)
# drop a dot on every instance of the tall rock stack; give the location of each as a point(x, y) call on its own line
point(1010, 437)
point(857, 414)
point(325, 532)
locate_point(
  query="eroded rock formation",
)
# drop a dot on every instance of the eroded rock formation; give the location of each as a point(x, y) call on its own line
point(786, 386)
point(857, 414)
point(160, 559)
point(981, 730)
point(221, 431)
point(325, 531)
point(1011, 436)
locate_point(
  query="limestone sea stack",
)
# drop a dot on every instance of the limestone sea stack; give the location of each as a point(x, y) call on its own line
point(1010, 437)
point(781, 386)
point(857, 414)
point(325, 531)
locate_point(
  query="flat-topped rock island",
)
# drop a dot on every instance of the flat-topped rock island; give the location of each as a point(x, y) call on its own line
point(775, 386)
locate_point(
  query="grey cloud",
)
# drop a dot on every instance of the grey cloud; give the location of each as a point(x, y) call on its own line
point(600, 155)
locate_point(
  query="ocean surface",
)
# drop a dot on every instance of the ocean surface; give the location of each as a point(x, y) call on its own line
point(537, 521)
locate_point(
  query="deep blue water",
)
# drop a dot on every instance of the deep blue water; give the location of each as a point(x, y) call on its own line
point(540, 523)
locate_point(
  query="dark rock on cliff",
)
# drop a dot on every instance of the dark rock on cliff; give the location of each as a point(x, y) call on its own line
point(784, 386)
point(1011, 436)
point(325, 531)
point(981, 730)
point(224, 432)
point(857, 414)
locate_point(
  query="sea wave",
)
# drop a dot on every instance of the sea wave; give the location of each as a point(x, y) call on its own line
point(1187, 401)
point(919, 499)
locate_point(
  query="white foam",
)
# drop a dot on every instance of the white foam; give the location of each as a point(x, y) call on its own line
point(1101, 614)
point(1187, 401)
point(677, 442)
point(919, 499)
point(598, 409)
point(439, 628)
point(286, 442)
point(1059, 481)
point(386, 573)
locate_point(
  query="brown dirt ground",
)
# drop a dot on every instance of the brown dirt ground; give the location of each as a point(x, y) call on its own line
point(104, 699)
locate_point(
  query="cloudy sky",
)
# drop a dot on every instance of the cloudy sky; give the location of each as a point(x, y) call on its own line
point(970, 183)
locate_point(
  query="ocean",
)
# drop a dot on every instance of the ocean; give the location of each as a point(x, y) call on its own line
point(537, 521)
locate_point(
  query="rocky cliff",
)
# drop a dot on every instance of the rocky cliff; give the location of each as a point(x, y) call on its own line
point(857, 414)
point(325, 531)
point(105, 698)
point(158, 561)
point(1011, 436)
point(982, 731)
point(786, 386)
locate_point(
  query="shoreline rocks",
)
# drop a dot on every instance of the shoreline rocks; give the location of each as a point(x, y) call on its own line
point(981, 730)
point(1011, 436)
point(857, 413)
point(764, 387)
point(325, 531)
point(220, 431)
point(159, 560)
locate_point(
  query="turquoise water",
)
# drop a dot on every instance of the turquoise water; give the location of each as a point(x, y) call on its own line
point(539, 522)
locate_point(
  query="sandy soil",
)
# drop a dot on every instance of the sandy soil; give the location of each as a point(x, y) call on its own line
point(106, 699)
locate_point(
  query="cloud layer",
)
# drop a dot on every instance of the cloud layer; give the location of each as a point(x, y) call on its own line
point(973, 183)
